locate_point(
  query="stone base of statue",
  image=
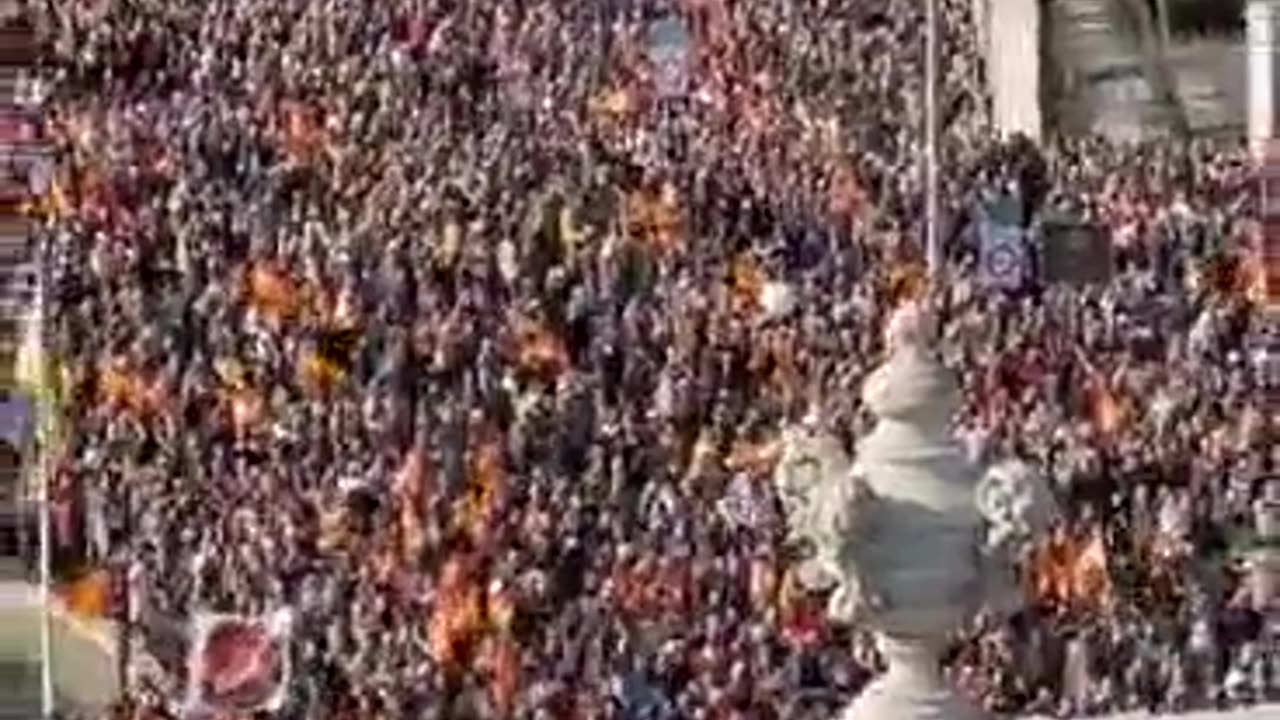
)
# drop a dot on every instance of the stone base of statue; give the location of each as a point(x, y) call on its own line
point(914, 537)
point(912, 689)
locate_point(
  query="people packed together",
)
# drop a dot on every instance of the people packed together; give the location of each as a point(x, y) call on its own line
point(466, 332)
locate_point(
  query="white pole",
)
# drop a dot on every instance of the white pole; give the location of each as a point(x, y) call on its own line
point(46, 537)
point(46, 629)
point(932, 243)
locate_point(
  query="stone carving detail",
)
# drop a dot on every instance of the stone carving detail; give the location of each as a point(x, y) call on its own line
point(825, 518)
point(909, 537)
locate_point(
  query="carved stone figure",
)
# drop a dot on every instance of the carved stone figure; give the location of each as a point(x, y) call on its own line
point(910, 538)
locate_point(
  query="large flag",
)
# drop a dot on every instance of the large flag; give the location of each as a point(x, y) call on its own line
point(1091, 575)
point(239, 664)
point(458, 618)
point(1106, 411)
point(1003, 254)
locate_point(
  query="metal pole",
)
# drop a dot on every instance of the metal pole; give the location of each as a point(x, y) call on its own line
point(932, 238)
point(46, 536)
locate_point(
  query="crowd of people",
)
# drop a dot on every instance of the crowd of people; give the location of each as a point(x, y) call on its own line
point(466, 331)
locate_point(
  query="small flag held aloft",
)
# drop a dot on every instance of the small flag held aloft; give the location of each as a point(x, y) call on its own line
point(338, 346)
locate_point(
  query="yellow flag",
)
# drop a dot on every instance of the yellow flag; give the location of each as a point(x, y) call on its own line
point(90, 595)
point(318, 373)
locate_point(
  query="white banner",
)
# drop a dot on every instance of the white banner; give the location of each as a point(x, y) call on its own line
point(1003, 255)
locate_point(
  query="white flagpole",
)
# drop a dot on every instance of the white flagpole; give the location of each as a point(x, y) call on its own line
point(932, 241)
point(46, 537)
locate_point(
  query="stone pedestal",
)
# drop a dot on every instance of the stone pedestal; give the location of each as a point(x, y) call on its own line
point(912, 536)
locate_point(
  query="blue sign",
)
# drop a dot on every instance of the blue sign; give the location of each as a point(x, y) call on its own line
point(17, 419)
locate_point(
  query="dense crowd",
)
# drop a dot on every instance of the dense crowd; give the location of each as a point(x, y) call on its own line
point(458, 328)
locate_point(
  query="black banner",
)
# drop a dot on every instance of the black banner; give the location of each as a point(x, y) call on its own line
point(1075, 253)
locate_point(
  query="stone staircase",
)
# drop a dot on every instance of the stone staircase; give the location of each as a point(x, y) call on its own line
point(1104, 84)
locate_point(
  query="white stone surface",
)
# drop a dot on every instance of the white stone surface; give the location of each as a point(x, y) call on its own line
point(1012, 35)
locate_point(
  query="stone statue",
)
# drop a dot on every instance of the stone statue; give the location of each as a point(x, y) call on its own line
point(909, 539)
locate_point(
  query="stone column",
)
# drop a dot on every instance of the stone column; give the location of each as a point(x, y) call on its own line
point(1011, 29)
point(1261, 17)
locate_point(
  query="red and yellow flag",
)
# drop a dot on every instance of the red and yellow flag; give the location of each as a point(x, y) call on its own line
point(319, 374)
point(1091, 577)
point(272, 291)
point(89, 595)
point(125, 389)
point(1107, 412)
point(458, 618)
point(748, 281)
point(487, 483)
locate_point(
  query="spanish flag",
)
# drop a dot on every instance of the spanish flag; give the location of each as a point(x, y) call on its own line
point(271, 291)
point(1051, 571)
point(1107, 413)
point(487, 482)
point(88, 595)
point(455, 624)
point(52, 204)
point(1091, 578)
point(119, 386)
point(748, 282)
point(318, 374)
